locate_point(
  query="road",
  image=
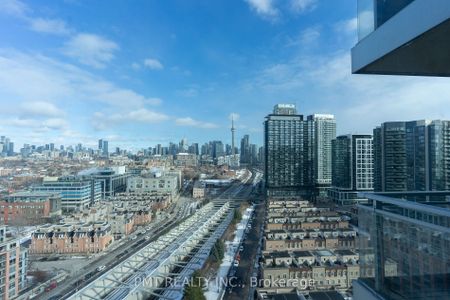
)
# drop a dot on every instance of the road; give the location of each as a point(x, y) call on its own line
point(111, 257)
point(116, 254)
point(248, 261)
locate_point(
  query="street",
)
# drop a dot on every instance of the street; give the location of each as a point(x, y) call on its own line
point(246, 268)
point(114, 256)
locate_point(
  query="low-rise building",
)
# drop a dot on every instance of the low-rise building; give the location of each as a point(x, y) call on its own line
point(307, 248)
point(124, 212)
point(76, 192)
point(30, 208)
point(112, 180)
point(309, 270)
point(82, 238)
point(186, 160)
point(156, 181)
point(199, 190)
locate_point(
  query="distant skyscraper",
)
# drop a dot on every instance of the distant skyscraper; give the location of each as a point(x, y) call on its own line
point(105, 150)
point(298, 152)
point(193, 148)
point(321, 131)
point(183, 145)
point(232, 136)
point(6, 147)
point(261, 155)
point(205, 149)
point(352, 168)
point(10, 149)
point(253, 154)
point(100, 144)
point(245, 149)
point(158, 149)
point(285, 109)
point(228, 149)
point(412, 156)
point(284, 145)
point(217, 149)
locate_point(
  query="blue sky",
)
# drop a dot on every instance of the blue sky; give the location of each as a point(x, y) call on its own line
point(145, 72)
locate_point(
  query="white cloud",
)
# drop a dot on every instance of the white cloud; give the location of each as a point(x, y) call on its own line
point(52, 26)
point(347, 26)
point(108, 93)
point(145, 116)
point(65, 85)
point(153, 101)
point(135, 66)
point(40, 108)
point(37, 124)
point(309, 36)
point(188, 121)
point(13, 7)
point(153, 64)
point(18, 122)
point(55, 123)
point(44, 25)
point(90, 49)
point(359, 102)
point(51, 80)
point(103, 121)
point(301, 6)
point(264, 8)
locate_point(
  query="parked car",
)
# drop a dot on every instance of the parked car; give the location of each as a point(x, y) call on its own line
point(51, 286)
point(101, 268)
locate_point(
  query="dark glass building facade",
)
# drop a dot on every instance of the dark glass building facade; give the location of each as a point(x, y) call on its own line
point(352, 168)
point(404, 242)
point(412, 156)
point(285, 165)
point(298, 152)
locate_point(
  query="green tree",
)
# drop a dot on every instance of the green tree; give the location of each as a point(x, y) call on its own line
point(218, 251)
point(237, 216)
point(220, 248)
point(193, 290)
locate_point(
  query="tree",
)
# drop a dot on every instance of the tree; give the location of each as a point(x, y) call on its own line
point(193, 290)
point(218, 250)
point(237, 216)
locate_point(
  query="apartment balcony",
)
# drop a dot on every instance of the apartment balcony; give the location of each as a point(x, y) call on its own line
point(403, 37)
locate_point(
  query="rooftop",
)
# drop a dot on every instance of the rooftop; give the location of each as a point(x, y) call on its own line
point(286, 296)
point(328, 295)
point(344, 252)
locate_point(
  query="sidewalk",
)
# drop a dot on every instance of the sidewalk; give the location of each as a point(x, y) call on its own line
point(216, 284)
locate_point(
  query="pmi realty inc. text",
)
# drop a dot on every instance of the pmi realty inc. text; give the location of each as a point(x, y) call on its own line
point(223, 282)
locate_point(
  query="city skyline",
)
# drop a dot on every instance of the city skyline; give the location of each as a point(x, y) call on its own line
point(206, 150)
point(88, 78)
